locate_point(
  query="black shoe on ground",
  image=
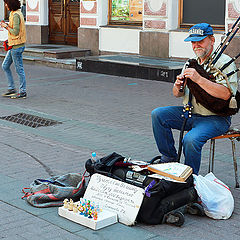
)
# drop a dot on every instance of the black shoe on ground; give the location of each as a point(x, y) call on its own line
point(9, 93)
point(161, 159)
point(156, 159)
point(20, 95)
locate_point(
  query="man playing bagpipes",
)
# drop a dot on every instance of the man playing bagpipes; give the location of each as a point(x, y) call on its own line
point(208, 105)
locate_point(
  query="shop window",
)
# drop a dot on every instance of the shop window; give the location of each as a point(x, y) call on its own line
point(125, 12)
point(209, 11)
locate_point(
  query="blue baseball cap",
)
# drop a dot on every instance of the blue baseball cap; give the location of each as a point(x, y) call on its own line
point(198, 32)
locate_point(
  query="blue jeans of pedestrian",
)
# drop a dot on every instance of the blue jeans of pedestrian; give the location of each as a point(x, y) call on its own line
point(200, 129)
point(15, 56)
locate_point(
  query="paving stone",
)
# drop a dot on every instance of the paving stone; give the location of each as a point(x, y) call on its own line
point(22, 204)
point(118, 231)
point(54, 218)
point(13, 237)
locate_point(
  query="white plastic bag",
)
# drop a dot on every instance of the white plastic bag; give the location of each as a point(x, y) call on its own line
point(216, 197)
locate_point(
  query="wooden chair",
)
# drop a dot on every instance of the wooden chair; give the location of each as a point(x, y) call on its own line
point(232, 134)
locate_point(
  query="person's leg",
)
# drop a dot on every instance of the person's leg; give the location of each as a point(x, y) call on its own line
point(203, 129)
point(164, 119)
point(6, 68)
point(18, 62)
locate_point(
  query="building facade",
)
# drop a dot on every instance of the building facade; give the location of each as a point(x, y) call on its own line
point(153, 28)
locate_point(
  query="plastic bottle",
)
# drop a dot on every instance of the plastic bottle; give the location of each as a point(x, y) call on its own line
point(94, 157)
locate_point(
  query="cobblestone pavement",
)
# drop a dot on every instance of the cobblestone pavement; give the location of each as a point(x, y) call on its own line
point(98, 113)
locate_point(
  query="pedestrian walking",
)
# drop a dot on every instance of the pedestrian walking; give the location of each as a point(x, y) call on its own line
point(16, 39)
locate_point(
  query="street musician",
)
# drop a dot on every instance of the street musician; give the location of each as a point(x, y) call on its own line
point(203, 121)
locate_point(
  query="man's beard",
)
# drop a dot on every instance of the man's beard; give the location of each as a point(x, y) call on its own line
point(202, 52)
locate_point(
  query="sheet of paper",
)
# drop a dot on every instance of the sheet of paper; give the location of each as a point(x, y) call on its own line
point(123, 198)
point(163, 177)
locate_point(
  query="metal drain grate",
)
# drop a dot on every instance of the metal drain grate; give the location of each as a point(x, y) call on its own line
point(30, 120)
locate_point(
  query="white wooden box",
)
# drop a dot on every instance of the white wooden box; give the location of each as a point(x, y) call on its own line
point(105, 218)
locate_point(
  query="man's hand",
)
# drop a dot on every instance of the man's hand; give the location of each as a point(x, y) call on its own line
point(192, 74)
point(179, 81)
point(177, 85)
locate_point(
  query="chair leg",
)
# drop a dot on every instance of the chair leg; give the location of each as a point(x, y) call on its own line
point(211, 155)
point(235, 162)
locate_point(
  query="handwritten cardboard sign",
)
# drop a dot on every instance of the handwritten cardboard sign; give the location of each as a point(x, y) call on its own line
point(120, 197)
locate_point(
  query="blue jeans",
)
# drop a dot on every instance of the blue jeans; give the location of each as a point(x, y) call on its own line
point(15, 56)
point(200, 129)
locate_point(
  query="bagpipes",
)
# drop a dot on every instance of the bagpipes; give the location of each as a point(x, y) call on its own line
point(216, 105)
